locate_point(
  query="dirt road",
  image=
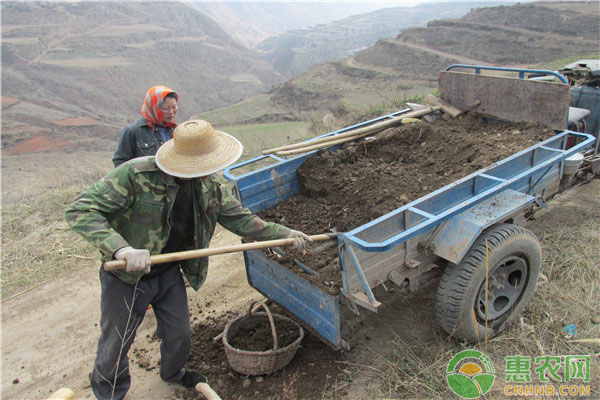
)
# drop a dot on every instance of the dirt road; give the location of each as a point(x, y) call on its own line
point(49, 334)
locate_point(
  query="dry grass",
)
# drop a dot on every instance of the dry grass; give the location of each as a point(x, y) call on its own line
point(37, 244)
point(258, 137)
point(569, 293)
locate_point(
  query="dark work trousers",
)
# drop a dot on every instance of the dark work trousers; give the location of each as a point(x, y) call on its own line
point(166, 292)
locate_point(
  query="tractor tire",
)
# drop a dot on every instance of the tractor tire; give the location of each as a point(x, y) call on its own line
point(514, 265)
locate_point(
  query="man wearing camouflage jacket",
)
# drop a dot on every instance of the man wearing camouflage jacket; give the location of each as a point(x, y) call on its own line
point(153, 205)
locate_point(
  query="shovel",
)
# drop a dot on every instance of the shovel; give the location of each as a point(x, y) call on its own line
point(348, 136)
point(189, 254)
point(207, 391)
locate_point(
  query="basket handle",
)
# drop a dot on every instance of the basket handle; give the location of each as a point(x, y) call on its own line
point(273, 332)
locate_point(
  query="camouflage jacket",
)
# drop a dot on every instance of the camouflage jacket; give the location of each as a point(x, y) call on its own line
point(131, 206)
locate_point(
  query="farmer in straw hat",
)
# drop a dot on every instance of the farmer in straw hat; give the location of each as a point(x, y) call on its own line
point(160, 204)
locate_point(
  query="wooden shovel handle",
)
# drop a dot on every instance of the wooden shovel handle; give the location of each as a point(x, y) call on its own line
point(349, 135)
point(446, 107)
point(186, 255)
point(62, 394)
point(207, 391)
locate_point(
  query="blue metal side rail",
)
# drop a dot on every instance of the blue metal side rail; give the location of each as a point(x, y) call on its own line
point(498, 190)
point(520, 172)
point(477, 70)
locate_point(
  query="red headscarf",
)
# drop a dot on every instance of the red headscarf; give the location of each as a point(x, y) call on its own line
point(152, 104)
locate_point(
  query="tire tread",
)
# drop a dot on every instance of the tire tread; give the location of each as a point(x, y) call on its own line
point(456, 280)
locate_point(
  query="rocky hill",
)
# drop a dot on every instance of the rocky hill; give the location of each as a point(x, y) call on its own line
point(252, 22)
point(295, 51)
point(405, 66)
point(521, 34)
point(84, 66)
point(74, 73)
point(95, 60)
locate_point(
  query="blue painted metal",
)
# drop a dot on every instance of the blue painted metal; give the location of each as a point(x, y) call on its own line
point(521, 71)
point(267, 186)
point(358, 270)
point(305, 268)
point(515, 172)
point(455, 236)
point(319, 310)
point(456, 212)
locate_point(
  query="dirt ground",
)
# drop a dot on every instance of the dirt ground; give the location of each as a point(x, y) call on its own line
point(49, 339)
point(345, 189)
point(49, 334)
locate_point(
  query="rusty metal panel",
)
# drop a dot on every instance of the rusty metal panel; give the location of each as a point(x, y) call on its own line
point(456, 235)
point(375, 265)
point(512, 99)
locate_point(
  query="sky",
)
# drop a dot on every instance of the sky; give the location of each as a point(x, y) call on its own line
point(385, 3)
point(393, 2)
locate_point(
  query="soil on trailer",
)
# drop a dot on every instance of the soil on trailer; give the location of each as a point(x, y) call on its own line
point(364, 180)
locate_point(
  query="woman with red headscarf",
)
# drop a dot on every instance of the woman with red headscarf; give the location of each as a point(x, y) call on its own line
point(144, 137)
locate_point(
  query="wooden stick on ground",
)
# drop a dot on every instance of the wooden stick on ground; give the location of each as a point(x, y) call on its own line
point(207, 391)
point(186, 255)
point(446, 107)
point(353, 134)
point(62, 394)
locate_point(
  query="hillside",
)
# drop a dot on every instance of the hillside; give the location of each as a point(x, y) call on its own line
point(74, 73)
point(252, 22)
point(405, 66)
point(95, 60)
point(295, 51)
point(522, 34)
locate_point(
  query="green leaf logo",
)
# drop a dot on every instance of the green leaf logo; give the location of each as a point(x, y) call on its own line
point(470, 374)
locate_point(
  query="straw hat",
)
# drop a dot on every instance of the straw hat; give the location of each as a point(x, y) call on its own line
point(197, 150)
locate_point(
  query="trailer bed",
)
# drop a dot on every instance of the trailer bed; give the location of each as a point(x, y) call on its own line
point(405, 244)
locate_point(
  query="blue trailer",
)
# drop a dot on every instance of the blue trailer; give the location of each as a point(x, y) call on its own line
point(458, 224)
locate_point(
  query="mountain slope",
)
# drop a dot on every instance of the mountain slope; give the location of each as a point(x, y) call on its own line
point(97, 59)
point(521, 34)
point(407, 65)
point(295, 51)
point(252, 22)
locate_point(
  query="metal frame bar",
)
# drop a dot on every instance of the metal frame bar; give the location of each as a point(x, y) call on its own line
point(521, 71)
point(352, 236)
point(359, 272)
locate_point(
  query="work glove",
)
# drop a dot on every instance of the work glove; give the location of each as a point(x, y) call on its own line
point(301, 240)
point(137, 259)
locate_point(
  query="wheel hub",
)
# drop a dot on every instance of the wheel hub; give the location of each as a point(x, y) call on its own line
point(506, 283)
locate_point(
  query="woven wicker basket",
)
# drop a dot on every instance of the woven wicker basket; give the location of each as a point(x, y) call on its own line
point(259, 362)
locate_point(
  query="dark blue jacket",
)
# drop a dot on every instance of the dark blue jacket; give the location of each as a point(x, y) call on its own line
point(136, 140)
